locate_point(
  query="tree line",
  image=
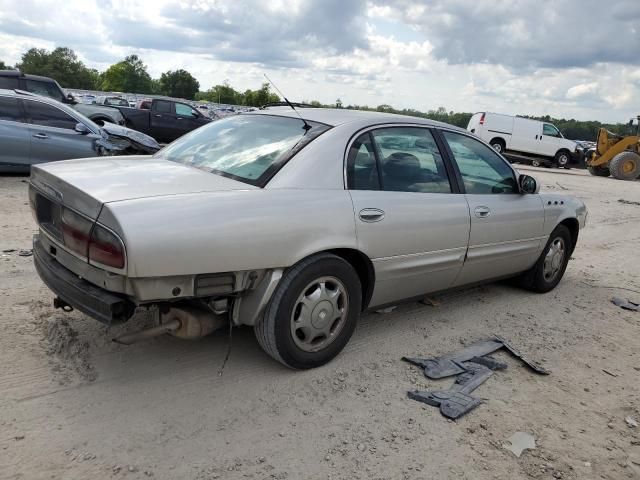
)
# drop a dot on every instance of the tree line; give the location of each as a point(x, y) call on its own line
point(130, 75)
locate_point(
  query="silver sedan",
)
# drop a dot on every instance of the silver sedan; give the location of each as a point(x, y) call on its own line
point(294, 222)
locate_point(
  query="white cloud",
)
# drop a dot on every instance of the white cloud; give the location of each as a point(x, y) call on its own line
point(527, 57)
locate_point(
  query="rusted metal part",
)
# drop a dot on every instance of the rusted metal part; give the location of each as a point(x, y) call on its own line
point(131, 338)
point(187, 322)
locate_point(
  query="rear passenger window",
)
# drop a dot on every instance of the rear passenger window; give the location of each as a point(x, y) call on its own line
point(163, 107)
point(361, 165)
point(48, 116)
point(482, 170)
point(10, 109)
point(410, 160)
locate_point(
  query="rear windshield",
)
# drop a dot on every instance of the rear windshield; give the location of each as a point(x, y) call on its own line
point(249, 148)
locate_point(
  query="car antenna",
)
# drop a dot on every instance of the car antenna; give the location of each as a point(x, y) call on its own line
point(306, 127)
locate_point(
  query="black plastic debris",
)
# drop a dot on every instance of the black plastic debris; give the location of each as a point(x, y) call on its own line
point(626, 304)
point(472, 368)
point(25, 253)
point(448, 365)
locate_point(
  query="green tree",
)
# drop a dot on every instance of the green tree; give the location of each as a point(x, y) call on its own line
point(224, 94)
point(62, 64)
point(258, 98)
point(179, 83)
point(129, 75)
point(4, 66)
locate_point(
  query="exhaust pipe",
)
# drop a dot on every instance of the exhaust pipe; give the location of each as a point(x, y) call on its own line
point(189, 323)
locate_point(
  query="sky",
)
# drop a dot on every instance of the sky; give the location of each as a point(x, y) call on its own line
point(565, 58)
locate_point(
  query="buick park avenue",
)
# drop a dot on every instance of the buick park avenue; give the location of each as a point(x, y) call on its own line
point(293, 222)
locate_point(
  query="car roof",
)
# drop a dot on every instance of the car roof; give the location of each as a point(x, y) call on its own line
point(339, 116)
point(18, 73)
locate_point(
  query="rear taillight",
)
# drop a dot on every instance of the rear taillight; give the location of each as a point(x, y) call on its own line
point(90, 240)
point(106, 248)
point(482, 119)
point(75, 231)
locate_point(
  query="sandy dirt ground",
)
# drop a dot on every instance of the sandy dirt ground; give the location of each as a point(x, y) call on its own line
point(74, 405)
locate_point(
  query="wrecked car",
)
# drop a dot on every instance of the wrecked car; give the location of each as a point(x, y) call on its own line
point(293, 222)
point(36, 129)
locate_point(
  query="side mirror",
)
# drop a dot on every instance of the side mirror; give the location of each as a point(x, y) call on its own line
point(81, 128)
point(528, 184)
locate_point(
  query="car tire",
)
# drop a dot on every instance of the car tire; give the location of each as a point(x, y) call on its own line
point(313, 312)
point(599, 171)
point(498, 145)
point(552, 263)
point(625, 166)
point(562, 159)
point(536, 163)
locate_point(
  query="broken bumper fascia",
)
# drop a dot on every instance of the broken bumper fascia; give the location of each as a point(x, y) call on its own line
point(91, 300)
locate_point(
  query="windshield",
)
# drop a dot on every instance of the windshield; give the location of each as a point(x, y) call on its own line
point(249, 148)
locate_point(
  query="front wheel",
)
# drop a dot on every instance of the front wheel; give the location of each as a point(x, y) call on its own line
point(552, 263)
point(312, 313)
point(562, 159)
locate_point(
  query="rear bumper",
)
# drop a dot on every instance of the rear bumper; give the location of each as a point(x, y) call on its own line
point(91, 300)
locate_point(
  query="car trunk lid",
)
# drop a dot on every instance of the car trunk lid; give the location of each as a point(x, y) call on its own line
point(85, 185)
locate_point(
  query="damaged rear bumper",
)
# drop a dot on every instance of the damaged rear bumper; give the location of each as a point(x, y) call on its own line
point(96, 302)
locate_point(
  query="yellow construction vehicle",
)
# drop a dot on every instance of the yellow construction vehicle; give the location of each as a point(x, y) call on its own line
point(616, 155)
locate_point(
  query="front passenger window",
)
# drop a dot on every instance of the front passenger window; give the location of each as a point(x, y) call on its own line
point(482, 170)
point(184, 110)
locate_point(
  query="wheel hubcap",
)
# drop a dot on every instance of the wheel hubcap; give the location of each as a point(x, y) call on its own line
point(563, 160)
point(554, 259)
point(628, 166)
point(319, 314)
point(497, 147)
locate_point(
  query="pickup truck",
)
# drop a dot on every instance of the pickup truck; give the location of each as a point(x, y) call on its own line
point(165, 121)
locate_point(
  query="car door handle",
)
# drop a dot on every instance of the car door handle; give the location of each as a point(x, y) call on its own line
point(371, 215)
point(41, 135)
point(482, 212)
point(157, 115)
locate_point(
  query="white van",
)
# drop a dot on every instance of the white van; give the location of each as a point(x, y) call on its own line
point(540, 140)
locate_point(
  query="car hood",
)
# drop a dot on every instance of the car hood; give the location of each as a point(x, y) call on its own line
point(138, 139)
point(87, 184)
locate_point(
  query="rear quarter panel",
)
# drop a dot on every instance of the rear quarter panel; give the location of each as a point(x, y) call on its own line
point(229, 231)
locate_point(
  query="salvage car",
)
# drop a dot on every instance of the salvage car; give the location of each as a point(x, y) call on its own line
point(48, 87)
point(36, 129)
point(293, 225)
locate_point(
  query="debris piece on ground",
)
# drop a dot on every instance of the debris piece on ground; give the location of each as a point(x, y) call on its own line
point(448, 365)
point(628, 202)
point(25, 253)
point(626, 304)
point(631, 422)
point(386, 310)
point(456, 401)
point(609, 373)
point(8, 250)
point(472, 367)
point(520, 441)
point(430, 301)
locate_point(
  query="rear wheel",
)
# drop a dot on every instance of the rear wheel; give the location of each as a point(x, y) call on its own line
point(625, 166)
point(498, 145)
point(312, 313)
point(536, 163)
point(552, 263)
point(599, 171)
